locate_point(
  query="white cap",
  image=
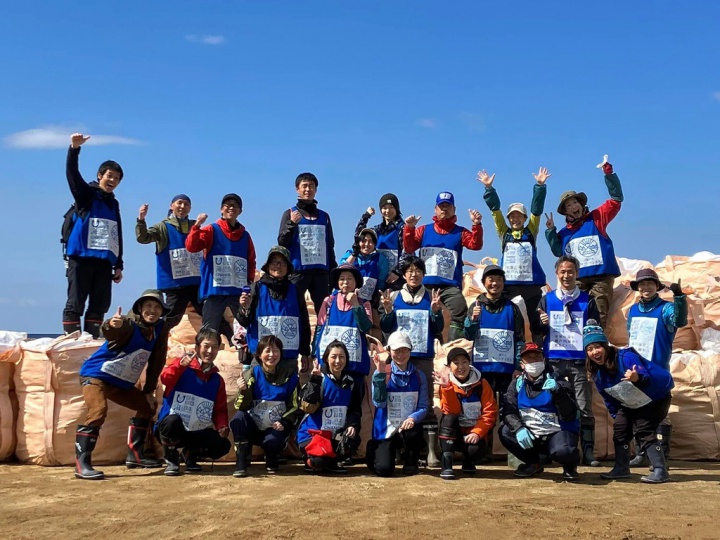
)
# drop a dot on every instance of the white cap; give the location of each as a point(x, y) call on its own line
point(398, 340)
point(517, 207)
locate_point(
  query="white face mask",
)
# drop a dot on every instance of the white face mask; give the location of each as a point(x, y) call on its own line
point(535, 369)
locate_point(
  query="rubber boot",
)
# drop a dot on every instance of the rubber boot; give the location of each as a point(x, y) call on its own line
point(92, 325)
point(664, 432)
point(172, 457)
point(587, 434)
point(411, 459)
point(271, 463)
point(446, 464)
point(71, 326)
point(570, 473)
point(431, 435)
point(85, 441)
point(242, 451)
point(621, 469)
point(191, 464)
point(640, 459)
point(659, 474)
point(468, 465)
point(137, 436)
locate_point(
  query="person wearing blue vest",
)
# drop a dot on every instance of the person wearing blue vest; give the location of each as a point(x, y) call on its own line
point(562, 315)
point(585, 237)
point(332, 404)
point(276, 306)
point(540, 418)
point(637, 395)
point(441, 248)
point(111, 373)
point(194, 412)
point(523, 274)
point(92, 238)
point(267, 404)
point(307, 233)
point(399, 394)
point(389, 235)
point(652, 324)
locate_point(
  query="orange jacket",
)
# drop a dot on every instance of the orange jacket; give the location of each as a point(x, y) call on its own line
point(450, 404)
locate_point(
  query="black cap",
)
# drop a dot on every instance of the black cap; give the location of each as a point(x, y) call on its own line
point(492, 269)
point(233, 196)
point(455, 352)
point(389, 198)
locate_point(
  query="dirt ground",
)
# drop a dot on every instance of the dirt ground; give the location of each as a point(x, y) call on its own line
point(49, 503)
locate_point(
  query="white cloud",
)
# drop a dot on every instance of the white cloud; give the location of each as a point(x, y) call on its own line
point(716, 95)
point(425, 122)
point(473, 121)
point(58, 137)
point(206, 40)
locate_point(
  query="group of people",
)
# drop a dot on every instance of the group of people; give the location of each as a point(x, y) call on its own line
point(379, 312)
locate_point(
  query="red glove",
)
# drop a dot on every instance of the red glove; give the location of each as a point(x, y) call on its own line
point(607, 168)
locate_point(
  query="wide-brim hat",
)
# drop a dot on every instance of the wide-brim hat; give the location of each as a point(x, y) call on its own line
point(579, 195)
point(335, 275)
point(150, 294)
point(280, 250)
point(644, 275)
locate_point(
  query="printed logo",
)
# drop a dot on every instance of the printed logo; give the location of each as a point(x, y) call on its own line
point(351, 340)
point(138, 363)
point(240, 268)
point(502, 341)
point(289, 328)
point(196, 258)
point(204, 411)
point(445, 258)
point(588, 247)
point(114, 233)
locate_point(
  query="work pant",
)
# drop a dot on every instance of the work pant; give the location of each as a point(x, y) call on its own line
point(213, 311)
point(456, 304)
point(577, 375)
point(601, 289)
point(641, 423)
point(531, 294)
point(318, 283)
point(204, 443)
point(96, 394)
point(561, 447)
point(177, 301)
point(91, 278)
point(452, 439)
point(380, 454)
point(245, 430)
point(499, 383)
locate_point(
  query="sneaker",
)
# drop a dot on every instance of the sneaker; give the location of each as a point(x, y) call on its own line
point(240, 473)
point(527, 470)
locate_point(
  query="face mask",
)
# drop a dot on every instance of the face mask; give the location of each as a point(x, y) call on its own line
point(535, 369)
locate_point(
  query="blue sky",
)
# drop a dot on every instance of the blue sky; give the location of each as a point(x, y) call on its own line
point(407, 96)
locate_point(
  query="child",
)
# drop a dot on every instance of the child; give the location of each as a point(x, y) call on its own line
point(441, 249)
point(267, 407)
point(525, 276)
point(401, 404)
point(469, 412)
point(585, 238)
point(92, 236)
point(307, 232)
point(111, 374)
point(332, 403)
point(194, 413)
point(637, 396)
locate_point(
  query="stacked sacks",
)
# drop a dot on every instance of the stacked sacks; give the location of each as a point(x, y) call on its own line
point(9, 355)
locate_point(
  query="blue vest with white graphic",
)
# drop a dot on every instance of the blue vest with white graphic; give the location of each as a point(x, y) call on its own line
point(422, 333)
point(543, 402)
point(662, 340)
point(332, 413)
point(263, 390)
point(553, 304)
point(660, 380)
point(538, 274)
point(380, 429)
point(359, 361)
point(198, 391)
point(296, 251)
point(222, 245)
point(369, 267)
point(504, 344)
point(451, 242)
point(289, 329)
point(122, 368)
point(388, 241)
point(97, 233)
point(175, 249)
point(589, 246)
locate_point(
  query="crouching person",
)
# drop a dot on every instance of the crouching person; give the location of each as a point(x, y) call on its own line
point(194, 413)
point(267, 405)
point(332, 402)
point(541, 418)
point(469, 411)
point(111, 374)
point(399, 393)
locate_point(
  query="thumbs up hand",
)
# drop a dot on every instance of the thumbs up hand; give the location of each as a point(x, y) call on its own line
point(116, 321)
point(631, 375)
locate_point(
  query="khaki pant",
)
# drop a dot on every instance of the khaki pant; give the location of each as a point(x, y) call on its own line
point(96, 394)
point(601, 289)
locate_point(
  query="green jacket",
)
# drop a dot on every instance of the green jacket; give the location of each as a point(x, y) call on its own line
point(158, 233)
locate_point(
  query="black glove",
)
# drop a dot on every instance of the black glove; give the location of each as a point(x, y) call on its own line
point(676, 288)
point(355, 249)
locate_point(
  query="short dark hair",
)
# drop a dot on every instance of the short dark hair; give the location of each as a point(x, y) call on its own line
point(268, 341)
point(206, 333)
point(110, 165)
point(336, 344)
point(569, 259)
point(310, 177)
point(411, 260)
point(611, 363)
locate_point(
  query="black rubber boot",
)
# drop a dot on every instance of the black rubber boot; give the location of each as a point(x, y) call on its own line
point(172, 460)
point(446, 466)
point(137, 436)
point(411, 462)
point(664, 432)
point(587, 435)
point(570, 473)
point(271, 463)
point(92, 325)
point(71, 326)
point(468, 466)
point(621, 469)
point(659, 475)
point(85, 441)
point(191, 464)
point(242, 452)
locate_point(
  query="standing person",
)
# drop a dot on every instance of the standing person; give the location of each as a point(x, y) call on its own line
point(469, 412)
point(563, 313)
point(194, 414)
point(111, 374)
point(307, 232)
point(92, 240)
point(400, 398)
point(441, 249)
point(540, 418)
point(267, 404)
point(389, 235)
point(585, 238)
point(652, 324)
point(276, 306)
point(637, 396)
point(518, 241)
point(228, 263)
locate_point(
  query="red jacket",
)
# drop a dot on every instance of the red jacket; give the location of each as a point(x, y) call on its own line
point(472, 239)
point(602, 216)
point(201, 239)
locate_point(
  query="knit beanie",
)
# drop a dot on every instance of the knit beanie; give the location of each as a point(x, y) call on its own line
point(390, 198)
point(593, 333)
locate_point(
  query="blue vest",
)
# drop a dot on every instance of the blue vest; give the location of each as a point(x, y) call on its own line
point(332, 413)
point(494, 346)
point(176, 267)
point(97, 234)
point(388, 244)
point(442, 254)
point(193, 400)
point(539, 414)
point(370, 271)
point(471, 408)
point(122, 368)
point(415, 321)
point(402, 401)
point(342, 325)
point(224, 270)
point(280, 318)
point(649, 336)
point(565, 342)
point(269, 400)
point(593, 250)
point(520, 261)
point(310, 249)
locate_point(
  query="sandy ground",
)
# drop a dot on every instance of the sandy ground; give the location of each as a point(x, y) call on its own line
point(49, 503)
